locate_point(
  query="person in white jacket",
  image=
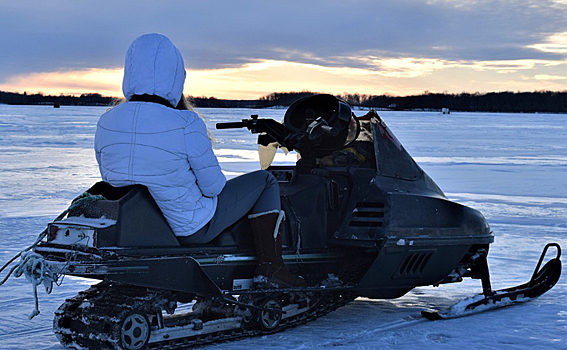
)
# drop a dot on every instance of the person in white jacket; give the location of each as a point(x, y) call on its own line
point(155, 140)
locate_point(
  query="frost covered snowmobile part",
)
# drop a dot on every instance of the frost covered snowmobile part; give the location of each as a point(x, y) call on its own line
point(543, 279)
point(362, 220)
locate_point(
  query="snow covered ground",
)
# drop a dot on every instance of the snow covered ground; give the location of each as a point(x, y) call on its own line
point(512, 167)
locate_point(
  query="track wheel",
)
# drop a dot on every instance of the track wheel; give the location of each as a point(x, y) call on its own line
point(135, 331)
point(270, 320)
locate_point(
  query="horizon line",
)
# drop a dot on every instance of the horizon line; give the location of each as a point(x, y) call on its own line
point(426, 92)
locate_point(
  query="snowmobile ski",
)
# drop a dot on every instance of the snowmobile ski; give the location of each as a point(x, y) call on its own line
point(542, 280)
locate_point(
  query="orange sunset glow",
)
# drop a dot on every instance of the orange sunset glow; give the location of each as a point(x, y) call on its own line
point(250, 81)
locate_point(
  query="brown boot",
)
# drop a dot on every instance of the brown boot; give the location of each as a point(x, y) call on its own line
point(268, 245)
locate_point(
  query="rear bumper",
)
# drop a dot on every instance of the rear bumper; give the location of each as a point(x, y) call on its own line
point(175, 273)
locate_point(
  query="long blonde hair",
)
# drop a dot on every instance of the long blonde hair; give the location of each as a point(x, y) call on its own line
point(184, 104)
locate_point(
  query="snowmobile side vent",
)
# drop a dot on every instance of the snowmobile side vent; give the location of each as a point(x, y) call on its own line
point(368, 214)
point(414, 264)
point(333, 195)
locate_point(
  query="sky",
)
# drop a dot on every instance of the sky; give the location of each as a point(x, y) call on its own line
point(249, 48)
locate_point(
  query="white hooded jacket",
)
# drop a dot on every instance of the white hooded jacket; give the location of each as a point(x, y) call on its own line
point(165, 149)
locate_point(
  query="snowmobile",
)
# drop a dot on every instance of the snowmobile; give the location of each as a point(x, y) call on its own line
point(362, 219)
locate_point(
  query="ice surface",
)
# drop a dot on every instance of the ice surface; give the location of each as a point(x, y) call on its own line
point(512, 167)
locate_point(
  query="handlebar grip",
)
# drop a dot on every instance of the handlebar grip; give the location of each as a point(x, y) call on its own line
point(231, 125)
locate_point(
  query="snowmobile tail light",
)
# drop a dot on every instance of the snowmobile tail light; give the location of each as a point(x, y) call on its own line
point(74, 235)
point(52, 232)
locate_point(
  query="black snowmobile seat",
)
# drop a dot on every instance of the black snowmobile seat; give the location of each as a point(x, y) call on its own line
point(139, 221)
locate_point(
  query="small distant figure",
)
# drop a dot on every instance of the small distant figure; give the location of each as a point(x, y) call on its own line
point(56, 104)
point(445, 110)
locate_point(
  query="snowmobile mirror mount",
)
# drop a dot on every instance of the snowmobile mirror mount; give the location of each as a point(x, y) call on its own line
point(319, 127)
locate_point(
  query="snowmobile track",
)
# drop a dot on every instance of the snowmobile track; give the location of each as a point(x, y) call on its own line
point(92, 319)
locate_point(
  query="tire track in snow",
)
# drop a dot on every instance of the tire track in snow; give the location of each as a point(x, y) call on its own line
point(26, 332)
point(408, 321)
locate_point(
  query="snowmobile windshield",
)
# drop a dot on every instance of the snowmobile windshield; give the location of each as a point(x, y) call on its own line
point(392, 159)
point(353, 131)
point(365, 134)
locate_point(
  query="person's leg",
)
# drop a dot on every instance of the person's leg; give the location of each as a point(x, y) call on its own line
point(268, 246)
point(251, 193)
point(256, 194)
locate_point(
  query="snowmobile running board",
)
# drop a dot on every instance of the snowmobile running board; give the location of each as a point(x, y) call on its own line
point(542, 280)
point(274, 289)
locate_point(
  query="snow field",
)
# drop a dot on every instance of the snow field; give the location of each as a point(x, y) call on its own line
point(512, 167)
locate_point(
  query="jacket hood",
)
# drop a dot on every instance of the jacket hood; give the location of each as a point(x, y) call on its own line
point(154, 66)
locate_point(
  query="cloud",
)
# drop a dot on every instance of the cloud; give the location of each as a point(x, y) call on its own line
point(556, 43)
point(387, 39)
point(549, 77)
point(252, 80)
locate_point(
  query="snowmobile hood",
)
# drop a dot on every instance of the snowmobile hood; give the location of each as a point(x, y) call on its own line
point(154, 66)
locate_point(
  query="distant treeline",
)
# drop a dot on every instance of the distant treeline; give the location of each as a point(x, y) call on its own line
point(219, 103)
point(12, 98)
point(519, 102)
point(523, 102)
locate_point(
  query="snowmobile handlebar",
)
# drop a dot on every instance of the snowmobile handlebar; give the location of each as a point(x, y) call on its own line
point(303, 141)
point(255, 122)
point(231, 125)
point(275, 132)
